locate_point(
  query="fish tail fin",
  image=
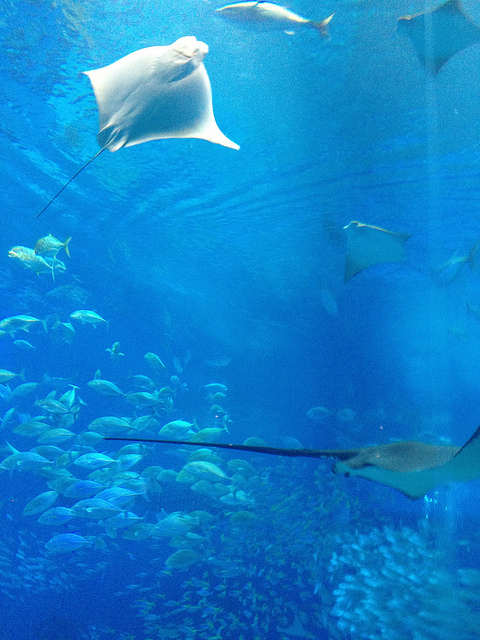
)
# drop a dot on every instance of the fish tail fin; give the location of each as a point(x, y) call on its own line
point(22, 374)
point(472, 255)
point(12, 449)
point(65, 246)
point(322, 26)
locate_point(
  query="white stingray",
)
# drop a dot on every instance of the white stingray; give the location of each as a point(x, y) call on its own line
point(152, 94)
point(156, 93)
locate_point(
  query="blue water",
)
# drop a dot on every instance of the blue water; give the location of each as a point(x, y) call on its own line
point(229, 265)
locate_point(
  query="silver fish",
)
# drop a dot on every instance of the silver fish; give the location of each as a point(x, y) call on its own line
point(271, 16)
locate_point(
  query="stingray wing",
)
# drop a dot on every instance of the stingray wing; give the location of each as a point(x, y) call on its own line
point(465, 465)
point(439, 34)
point(156, 93)
point(413, 484)
point(368, 245)
point(414, 468)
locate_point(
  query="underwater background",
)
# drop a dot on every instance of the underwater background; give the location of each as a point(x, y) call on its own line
point(228, 266)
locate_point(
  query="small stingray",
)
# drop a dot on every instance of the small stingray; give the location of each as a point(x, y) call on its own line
point(440, 33)
point(450, 270)
point(367, 245)
point(152, 94)
point(413, 468)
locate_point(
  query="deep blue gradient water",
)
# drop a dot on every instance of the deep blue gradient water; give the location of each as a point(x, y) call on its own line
point(229, 265)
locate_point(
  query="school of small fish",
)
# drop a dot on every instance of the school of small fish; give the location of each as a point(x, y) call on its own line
point(224, 533)
point(200, 534)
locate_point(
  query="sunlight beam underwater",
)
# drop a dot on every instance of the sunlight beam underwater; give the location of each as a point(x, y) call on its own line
point(413, 468)
point(154, 94)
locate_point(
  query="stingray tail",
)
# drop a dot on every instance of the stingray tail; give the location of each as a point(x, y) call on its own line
point(339, 454)
point(322, 26)
point(66, 185)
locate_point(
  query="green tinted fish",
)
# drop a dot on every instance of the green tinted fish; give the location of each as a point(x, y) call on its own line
point(55, 436)
point(65, 331)
point(175, 429)
point(212, 490)
point(140, 531)
point(25, 389)
point(174, 524)
point(49, 451)
point(85, 316)
point(81, 489)
point(31, 428)
point(143, 399)
point(50, 246)
point(94, 460)
point(95, 508)
point(5, 375)
point(154, 361)
point(19, 323)
point(109, 425)
point(182, 559)
point(24, 461)
point(209, 434)
point(28, 259)
point(68, 398)
point(65, 542)
point(105, 387)
point(56, 516)
point(50, 405)
point(205, 471)
point(119, 496)
point(40, 503)
point(115, 351)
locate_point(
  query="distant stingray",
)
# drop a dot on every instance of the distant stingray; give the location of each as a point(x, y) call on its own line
point(368, 245)
point(152, 94)
point(447, 272)
point(440, 33)
point(414, 468)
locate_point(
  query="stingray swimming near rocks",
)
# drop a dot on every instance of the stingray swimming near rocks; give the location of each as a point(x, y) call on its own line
point(368, 245)
point(413, 468)
point(152, 94)
point(440, 33)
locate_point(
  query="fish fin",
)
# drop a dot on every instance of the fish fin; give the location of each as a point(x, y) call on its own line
point(472, 254)
point(65, 246)
point(289, 33)
point(322, 26)
point(22, 374)
point(12, 449)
